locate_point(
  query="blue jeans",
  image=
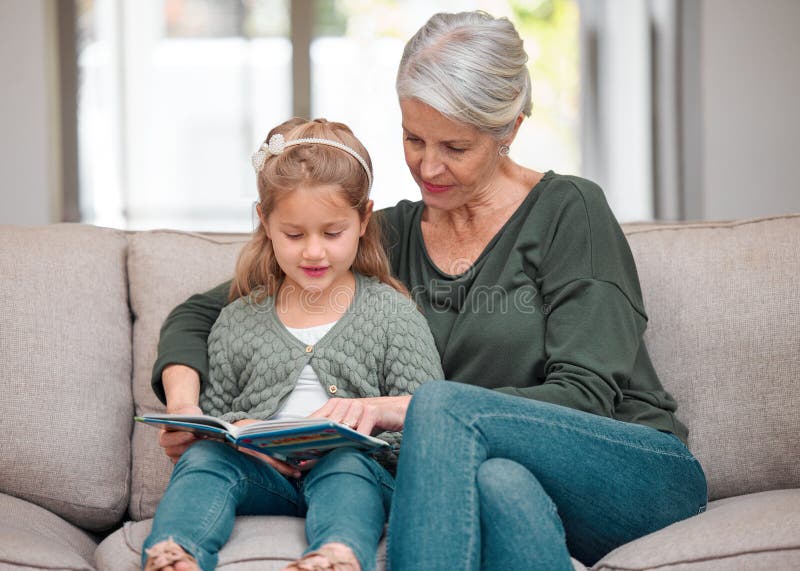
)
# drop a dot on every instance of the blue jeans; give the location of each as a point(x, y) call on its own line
point(345, 498)
point(492, 481)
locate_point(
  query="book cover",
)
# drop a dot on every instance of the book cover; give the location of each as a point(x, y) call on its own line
point(288, 440)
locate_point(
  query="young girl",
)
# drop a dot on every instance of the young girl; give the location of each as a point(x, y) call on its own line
point(314, 314)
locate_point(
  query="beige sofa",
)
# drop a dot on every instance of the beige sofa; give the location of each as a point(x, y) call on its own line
point(80, 311)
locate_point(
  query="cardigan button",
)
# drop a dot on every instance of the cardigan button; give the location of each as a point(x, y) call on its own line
point(309, 348)
point(332, 389)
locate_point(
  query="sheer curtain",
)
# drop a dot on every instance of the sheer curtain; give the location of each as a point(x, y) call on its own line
point(641, 129)
point(174, 96)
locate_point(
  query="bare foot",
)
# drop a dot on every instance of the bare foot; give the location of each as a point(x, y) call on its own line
point(169, 556)
point(329, 557)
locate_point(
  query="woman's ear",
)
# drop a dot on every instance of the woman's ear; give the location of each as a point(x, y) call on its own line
point(517, 124)
point(365, 218)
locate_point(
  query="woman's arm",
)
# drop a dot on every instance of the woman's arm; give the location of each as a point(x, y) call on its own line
point(593, 338)
point(182, 389)
point(592, 302)
point(182, 362)
point(184, 336)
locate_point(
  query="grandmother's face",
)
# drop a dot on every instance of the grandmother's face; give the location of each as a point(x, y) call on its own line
point(452, 162)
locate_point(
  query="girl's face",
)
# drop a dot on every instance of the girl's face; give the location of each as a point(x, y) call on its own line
point(451, 162)
point(314, 234)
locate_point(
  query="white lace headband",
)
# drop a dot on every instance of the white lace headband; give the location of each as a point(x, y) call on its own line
point(277, 144)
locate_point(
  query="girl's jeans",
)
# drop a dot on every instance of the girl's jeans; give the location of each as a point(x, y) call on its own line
point(345, 498)
point(491, 481)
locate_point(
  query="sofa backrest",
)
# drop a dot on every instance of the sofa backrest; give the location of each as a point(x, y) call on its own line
point(65, 350)
point(164, 268)
point(724, 335)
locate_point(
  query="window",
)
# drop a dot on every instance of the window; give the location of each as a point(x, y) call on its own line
point(174, 96)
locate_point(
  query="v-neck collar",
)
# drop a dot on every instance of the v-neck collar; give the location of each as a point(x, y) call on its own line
point(417, 226)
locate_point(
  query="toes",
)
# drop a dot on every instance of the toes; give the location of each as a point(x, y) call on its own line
point(169, 556)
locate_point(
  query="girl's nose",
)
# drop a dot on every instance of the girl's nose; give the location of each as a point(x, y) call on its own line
point(313, 249)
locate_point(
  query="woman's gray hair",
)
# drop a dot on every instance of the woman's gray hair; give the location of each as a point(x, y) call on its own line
point(468, 66)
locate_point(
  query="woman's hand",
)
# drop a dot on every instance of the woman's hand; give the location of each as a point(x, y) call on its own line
point(175, 442)
point(286, 469)
point(367, 415)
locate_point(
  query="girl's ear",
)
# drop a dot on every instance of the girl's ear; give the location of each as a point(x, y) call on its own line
point(365, 218)
point(262, 220)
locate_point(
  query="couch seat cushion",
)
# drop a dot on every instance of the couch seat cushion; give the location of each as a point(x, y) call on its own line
point(34, 538)
point(258, 543)
point(756, 531)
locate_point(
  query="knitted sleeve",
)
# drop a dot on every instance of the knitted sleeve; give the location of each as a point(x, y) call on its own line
point(222, 386)
point(411, 355)
point(411, 359)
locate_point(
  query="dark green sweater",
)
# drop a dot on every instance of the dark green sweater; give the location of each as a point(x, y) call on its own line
point(551, 310)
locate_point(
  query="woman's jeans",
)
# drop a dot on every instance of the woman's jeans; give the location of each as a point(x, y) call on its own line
point(491, 481)
point(345, 498)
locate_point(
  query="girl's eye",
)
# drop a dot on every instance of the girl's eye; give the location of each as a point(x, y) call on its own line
point(293, 236)
point(333, 234)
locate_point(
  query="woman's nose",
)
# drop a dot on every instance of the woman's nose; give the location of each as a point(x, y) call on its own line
point(430, 165)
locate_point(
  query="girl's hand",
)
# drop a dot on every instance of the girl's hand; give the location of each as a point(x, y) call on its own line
point(367, 415)
point(286, 469)
point(175, 442)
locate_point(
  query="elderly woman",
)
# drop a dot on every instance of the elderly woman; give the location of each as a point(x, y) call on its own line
point(555, 436)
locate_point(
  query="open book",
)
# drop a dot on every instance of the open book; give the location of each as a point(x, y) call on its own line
point(289, 440)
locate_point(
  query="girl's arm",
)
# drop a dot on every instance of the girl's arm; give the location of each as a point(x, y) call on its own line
point(182, 388)
point(367, 414)
point(410, 360)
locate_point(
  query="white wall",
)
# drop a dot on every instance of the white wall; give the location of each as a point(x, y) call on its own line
point(750, 94)
point(29, 130)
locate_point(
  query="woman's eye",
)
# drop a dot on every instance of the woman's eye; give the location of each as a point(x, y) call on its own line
point(412, 139)
point(456, 150)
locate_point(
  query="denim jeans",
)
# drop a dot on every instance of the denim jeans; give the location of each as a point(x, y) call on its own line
point(491, 481)
point(345, 498)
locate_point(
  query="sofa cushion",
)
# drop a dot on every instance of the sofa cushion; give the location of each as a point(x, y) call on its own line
point(164, 268)
point(257, 544)
point(34, 538)
point(723, 334)
point(756, 531)
point(65, 414)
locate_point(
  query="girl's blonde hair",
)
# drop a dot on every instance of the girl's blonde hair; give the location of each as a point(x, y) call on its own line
point(308, 164)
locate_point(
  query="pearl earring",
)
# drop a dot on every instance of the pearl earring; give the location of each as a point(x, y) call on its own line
point(503, 150)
